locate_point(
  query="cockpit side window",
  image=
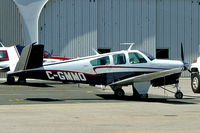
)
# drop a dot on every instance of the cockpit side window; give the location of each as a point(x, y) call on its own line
point(119, 59)
point(100, 61)
point(135, 58)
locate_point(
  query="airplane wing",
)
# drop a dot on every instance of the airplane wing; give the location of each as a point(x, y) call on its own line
point(147, 77)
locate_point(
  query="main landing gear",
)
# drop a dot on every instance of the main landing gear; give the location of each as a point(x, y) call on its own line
point(119, 92)
point(141, 91)
point(11, 80)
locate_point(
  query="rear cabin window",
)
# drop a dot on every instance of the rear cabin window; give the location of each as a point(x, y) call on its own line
point(100, 61)
point(3, 55)
point(119, 59)
point(135, 58)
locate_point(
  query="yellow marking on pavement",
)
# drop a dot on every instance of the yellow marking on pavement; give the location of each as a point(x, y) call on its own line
point(16, 100)
point(26, 107)
point(45, 90)
point(10, 100)
point(89, 91)
point(158, 132)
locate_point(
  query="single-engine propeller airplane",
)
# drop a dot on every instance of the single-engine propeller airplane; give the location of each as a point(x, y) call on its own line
point(115, 69)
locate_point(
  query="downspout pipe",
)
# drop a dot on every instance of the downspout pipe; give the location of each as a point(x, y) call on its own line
point(30, 12)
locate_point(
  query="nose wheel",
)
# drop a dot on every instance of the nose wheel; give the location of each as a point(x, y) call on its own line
point(179, 95)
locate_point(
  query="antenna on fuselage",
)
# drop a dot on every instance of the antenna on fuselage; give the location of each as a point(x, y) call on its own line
point(1, 44)
point(131, 45)
point(95, 51)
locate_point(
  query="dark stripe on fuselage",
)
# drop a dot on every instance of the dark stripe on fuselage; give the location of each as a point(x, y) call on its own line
point(77, 77)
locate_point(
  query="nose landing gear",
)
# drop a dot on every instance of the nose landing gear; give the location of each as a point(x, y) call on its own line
point(178, 94)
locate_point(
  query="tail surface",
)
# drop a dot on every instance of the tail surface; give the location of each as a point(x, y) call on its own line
point(31, 57)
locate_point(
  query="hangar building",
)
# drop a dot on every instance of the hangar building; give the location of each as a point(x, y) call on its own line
point(73, 27)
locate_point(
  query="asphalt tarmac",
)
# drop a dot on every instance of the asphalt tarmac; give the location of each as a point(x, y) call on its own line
point(53, 107)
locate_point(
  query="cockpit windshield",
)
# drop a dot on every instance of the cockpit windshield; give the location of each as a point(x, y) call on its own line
point(148, 55)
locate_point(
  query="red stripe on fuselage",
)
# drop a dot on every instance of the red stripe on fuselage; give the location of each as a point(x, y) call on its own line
point(98, 67)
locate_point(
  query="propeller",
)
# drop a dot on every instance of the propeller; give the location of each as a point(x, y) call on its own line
point(182, 53)
point(183, 59)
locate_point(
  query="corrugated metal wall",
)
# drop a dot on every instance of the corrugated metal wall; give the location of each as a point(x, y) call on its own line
point(121, 21)
point(69, 27)
point(178, 21)
point(10, 27)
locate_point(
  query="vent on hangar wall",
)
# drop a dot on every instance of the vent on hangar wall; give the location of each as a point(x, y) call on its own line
point(102, 51)
point(162, 53)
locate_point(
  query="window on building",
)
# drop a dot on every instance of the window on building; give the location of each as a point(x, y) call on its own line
point(100, 61)
point(135, 58)
point(162, 53)
point(102, 51)
point(119, 59)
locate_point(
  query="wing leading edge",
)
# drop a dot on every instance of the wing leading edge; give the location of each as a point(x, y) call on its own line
point(147, 77)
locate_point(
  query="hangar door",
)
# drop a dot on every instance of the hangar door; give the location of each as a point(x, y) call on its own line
point(69, 27)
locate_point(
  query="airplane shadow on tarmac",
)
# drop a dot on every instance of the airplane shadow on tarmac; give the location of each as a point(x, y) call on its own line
point(29, 84)
point(105, 97)
point(156, 100)
point(44, 99)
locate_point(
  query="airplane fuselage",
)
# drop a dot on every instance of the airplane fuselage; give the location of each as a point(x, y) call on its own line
point(102, 69)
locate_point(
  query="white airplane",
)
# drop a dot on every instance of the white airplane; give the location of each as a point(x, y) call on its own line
point(115, 69)
point(9, 56)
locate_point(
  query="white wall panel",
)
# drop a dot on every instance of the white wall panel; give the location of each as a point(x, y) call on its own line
point(10, 27)
point(69, 27)
point(127, 21)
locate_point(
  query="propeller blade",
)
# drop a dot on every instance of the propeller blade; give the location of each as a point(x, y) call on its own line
point(182, 53)
point(182, 57)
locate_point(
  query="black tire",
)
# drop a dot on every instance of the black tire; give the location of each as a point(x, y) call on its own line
point(195, 82)
point(22, 81)
point(179, 95)
point(10, 80)
point(119, 93)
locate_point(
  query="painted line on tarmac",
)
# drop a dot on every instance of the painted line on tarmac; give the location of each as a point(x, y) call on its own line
point(43, 107)
point(158, 132)
point(45, 90)
point(11, 94)
point(140, 116)
point(12, 86)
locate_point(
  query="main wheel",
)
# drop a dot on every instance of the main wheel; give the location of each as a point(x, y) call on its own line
point(179, 95)
point(119, 93)
point(10, 80)
point(195, 82)
point(22, 80)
